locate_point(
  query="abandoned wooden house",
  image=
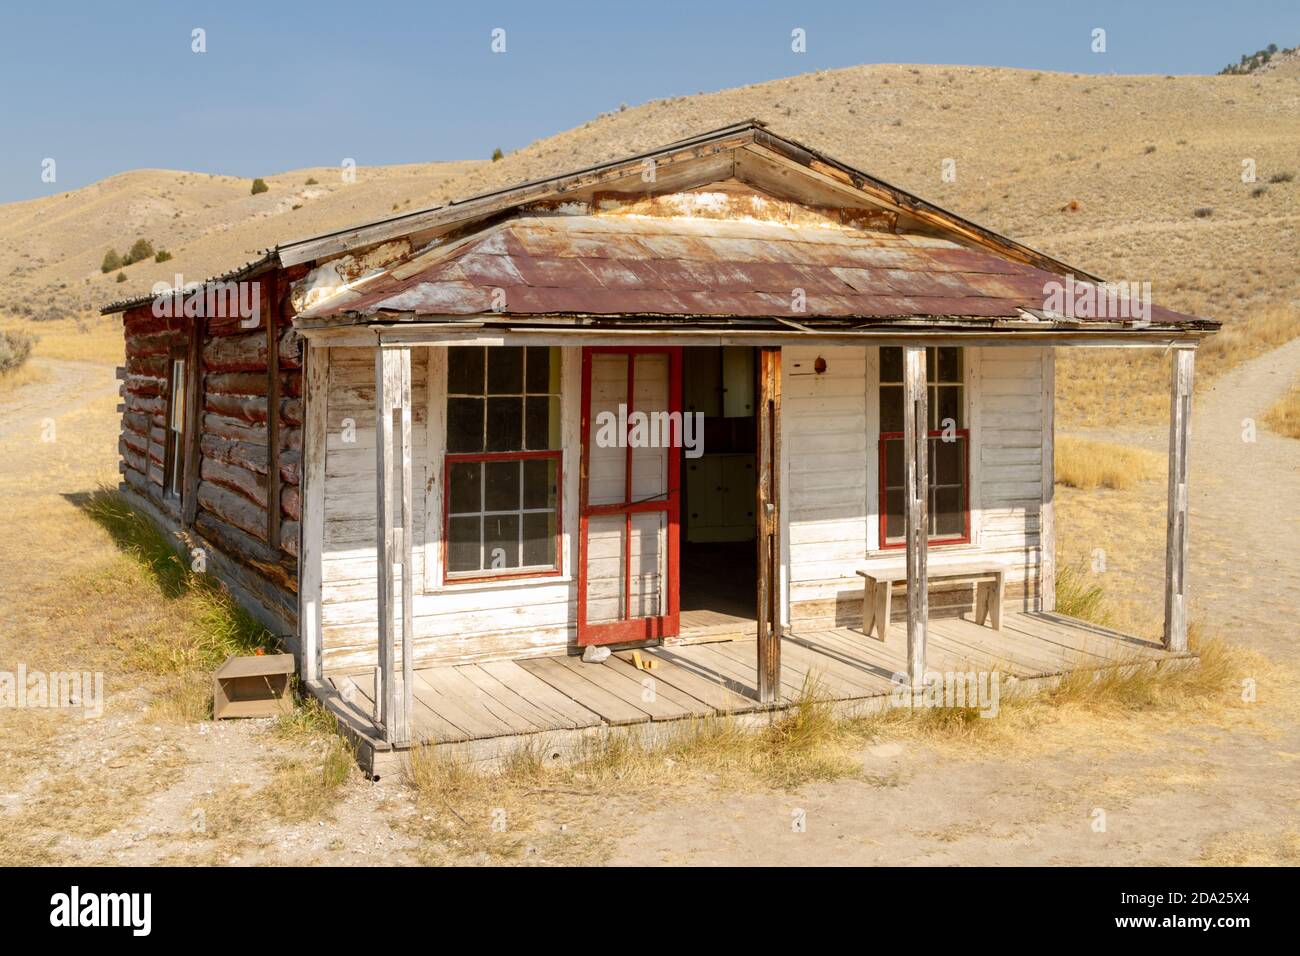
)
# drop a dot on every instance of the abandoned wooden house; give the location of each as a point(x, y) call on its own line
point(709, 404)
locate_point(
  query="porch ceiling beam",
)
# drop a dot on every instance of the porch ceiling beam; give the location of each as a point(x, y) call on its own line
point(488, 333)
point(393, 540)
point(916, 500)
point(1180, 413)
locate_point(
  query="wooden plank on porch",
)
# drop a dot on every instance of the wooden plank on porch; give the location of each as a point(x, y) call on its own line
point(836, 681)
point(567, 712)
point(705, 685)
point(454, 682)
point(611, 707)
point(688, 705)
point(538, 717)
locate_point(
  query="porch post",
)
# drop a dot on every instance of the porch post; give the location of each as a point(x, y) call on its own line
point(1180, 413)
point(393, 545)
point(916, 524)
point(769, 525)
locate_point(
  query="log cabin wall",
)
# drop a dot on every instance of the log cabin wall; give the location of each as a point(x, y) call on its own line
point(230, 506)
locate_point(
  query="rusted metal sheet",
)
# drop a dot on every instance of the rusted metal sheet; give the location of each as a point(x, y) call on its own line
point(632, 263)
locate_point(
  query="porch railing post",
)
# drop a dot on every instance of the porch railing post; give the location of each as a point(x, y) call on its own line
point(393, 395)
point(1180, 414)
point(916, 499)
point(769, 525)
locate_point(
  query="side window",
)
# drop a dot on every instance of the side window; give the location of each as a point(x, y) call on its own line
point(174, 458)
point(949, 449)
point(503, 463)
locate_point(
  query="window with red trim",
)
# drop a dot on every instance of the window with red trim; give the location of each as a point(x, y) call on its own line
point(949, 447)
point(503, 465)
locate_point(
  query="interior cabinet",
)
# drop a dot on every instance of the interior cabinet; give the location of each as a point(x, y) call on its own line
point(720, 382)
point(720, 492)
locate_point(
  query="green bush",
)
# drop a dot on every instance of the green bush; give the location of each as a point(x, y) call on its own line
point(121, 277)
point(111, 261)
point(260, 186)
point(497, 154)
point(141, 250)
point(311, 181)
point(162, 256)
point(15, 348)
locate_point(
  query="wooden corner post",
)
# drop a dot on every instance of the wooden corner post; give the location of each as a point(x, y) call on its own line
point(1180, 415)
point(769, 525)
point(916, 498)
point(393, 544)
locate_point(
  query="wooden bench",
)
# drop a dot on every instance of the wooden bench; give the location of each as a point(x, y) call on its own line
point(989, 580)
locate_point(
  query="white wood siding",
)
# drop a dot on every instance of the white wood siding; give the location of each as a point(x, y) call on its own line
point(469, 621)
point(830, 429)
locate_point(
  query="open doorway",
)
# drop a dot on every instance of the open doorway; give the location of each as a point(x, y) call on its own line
point(718, 540)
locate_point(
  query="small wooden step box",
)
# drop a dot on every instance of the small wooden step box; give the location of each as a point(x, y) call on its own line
point(256, 686)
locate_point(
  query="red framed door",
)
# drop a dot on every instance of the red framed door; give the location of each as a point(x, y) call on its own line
point(630, 494)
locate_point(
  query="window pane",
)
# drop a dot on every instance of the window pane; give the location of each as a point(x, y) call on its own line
point(463, 552)
point(891, 408)
point(539, 482)
point(505, 370)
point(891, 363)
point(946, 461)
point(501, 491)
point(464, 424)
point(465, 494)
point(894, 527)
point(894, 463)
point(539, 539)
point(949, 520)
point(950, 365)
point(539, 370)
point(949, 406)
point(541, 421)
point(505, 424)
point(501, 541)
point(465, 370)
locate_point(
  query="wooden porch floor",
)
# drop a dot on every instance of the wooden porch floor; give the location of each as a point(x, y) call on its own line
point(485, 708)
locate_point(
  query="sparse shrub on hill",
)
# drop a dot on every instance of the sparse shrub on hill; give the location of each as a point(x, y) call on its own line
point(141, 249)
point(162, 255)
point(121, 277)
point(311, 181)
point(111, 261)
point(260, 186)
point(1282, 177)
point(497, 154)
point(15, 348)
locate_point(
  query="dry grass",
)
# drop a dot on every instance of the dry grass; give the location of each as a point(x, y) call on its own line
point(217, 627)
point(1086, 464)
point(25, 374)
point(1102, 388)
point(88, 339)
point(1252, 849)
point(1284, 416)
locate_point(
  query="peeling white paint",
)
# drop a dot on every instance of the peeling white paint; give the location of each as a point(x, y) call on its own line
point(344, 273)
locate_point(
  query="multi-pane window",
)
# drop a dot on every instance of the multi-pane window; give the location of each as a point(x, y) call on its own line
point(175, 457)
point(503, 461)
point(949, 446)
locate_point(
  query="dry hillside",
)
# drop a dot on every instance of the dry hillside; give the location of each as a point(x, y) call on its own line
point(51, 248)
point(1130, 177)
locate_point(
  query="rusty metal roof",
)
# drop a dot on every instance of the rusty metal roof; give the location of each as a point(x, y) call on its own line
point(617, 265)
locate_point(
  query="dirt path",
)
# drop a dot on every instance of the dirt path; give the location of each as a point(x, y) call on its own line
point(65, 387)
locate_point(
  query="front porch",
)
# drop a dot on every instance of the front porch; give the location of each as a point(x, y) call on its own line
point(485, 711)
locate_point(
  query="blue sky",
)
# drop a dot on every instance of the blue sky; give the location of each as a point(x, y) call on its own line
point(104, 88)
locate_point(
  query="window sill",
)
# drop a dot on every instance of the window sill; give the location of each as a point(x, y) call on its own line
point(454, 587)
